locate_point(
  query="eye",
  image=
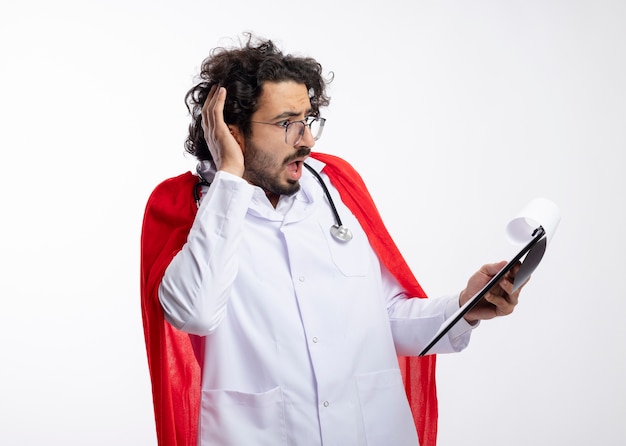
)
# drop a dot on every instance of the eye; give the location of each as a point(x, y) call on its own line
point(284, 123)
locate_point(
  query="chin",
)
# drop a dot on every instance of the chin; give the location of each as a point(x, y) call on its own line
point(291, 188)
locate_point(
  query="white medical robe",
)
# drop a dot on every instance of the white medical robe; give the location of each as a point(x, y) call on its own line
point(301, 331)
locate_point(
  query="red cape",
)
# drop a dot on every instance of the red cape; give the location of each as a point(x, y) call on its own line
point(174, 368)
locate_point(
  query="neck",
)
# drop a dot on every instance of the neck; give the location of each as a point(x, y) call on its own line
point(273, 198)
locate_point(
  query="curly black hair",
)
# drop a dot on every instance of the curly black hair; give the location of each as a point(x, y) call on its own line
point(242, 71)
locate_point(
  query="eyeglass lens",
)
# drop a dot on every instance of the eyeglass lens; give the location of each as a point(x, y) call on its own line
point(296, 130)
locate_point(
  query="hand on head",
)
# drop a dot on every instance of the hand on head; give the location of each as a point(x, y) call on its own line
point(225, 143)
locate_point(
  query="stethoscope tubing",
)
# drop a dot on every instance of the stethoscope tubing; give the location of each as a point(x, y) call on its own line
point(326, 192)
point(338, 230)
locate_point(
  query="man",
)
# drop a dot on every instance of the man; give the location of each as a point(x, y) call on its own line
point(264, 327)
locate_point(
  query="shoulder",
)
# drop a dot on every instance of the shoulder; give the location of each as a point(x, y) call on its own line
point(178, 189)
point(168, 216)
point(174, 185)
point(338, 169)
point(172, 199)
point(332, 160)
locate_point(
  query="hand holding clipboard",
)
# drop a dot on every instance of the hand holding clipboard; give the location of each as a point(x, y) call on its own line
point(532, 226)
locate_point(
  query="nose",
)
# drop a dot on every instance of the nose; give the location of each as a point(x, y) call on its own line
point(307, 139)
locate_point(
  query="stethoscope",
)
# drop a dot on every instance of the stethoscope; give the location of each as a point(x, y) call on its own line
point(338, 230)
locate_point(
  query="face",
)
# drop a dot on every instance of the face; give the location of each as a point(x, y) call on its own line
point(270, 163)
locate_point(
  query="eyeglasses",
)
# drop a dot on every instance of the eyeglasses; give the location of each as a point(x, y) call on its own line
point(294, 130)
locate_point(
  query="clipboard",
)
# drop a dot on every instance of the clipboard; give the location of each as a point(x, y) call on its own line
point(531, 253)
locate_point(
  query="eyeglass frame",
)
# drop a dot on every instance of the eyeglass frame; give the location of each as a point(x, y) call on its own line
point(306, 122)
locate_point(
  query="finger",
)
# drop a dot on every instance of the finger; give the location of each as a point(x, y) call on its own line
point(506, 284)
point(216, 111)
point(209, 104)
point(491, 269)
point(205, 107)
point(519, 288)
point(502, 305)
point(512, 273)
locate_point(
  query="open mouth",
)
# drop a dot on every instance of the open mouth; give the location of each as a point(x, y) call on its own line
point(294, 169)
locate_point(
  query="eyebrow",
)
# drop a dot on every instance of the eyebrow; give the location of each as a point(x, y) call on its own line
point(290, 114)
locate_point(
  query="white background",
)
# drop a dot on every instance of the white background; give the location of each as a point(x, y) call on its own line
point(456, 113)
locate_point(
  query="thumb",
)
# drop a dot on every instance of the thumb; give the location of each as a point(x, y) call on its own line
point(491, 269)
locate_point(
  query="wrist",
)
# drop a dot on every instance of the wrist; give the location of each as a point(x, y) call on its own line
point(232, 168)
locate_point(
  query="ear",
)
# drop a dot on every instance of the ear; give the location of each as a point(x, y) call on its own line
point(238, 135)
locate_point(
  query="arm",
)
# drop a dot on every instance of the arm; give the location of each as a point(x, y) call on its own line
point(196, 285)
point(414, 321)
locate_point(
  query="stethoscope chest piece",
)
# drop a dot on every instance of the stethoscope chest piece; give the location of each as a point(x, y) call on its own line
point(338, 230)
point(341, 233)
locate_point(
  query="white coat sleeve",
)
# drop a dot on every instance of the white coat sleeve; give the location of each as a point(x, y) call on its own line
point(415, 321)
point(195, 288)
